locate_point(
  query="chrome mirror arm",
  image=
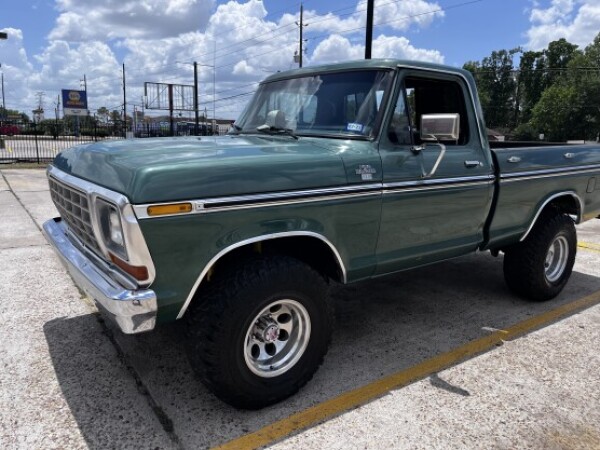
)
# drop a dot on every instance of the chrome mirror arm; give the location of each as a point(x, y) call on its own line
point(419, 149)
point(438, 160)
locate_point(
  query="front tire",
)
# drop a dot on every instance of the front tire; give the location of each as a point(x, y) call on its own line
point(260, 330)
point(539, 267)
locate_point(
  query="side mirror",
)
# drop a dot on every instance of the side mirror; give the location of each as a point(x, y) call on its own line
point(276, 119)
point(440, 127)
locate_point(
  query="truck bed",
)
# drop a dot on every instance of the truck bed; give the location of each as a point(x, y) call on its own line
point(530, 175)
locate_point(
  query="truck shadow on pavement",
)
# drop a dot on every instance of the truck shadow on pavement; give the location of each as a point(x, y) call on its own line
point(383, 326)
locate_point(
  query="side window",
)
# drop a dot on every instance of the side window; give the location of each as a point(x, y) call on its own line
point(399, 130)
point(432, 96)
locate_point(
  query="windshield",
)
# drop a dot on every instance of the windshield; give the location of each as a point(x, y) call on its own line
point(346, 103)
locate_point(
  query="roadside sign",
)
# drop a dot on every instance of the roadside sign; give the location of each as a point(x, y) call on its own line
point(74, 103)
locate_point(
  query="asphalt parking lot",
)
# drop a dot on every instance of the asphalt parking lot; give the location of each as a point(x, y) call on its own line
point(440, 357)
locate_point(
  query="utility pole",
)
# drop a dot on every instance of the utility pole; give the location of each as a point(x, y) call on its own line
point(214, 124)
point(57, 107)
point(124, 102)
point(170, 92)
point(369, 32)
point(3, 100)
point(40, 108)
point(3, 36)
point(197, 120)
point(301, 25)
point(301, 28)
point(84, 81)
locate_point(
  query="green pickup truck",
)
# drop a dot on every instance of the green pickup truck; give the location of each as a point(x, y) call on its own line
point(332, 174)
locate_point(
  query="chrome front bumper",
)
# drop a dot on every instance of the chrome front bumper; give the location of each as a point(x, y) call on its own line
point(133, 310)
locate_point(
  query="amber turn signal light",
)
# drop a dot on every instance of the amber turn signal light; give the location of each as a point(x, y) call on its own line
point(173, 208)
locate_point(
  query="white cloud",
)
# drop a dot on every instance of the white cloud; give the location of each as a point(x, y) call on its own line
point(82, 20)
point(578, 21)
point(402, 14)
point(337, 48)
point(15, 67)
point(12, 51)
point(397, 15)
point(556, 12)
point(242, 68)
point(159, 39)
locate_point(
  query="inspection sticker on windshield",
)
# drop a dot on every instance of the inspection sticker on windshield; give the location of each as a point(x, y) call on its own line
point(355, 127)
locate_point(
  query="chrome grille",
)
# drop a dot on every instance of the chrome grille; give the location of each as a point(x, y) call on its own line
point(73, 206)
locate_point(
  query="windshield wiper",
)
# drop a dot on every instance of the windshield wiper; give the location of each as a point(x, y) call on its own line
point(275, 130)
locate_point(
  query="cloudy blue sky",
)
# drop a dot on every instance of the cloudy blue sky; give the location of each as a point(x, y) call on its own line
point(53, 43)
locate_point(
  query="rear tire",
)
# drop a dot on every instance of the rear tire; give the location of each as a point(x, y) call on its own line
point(539, 267)
point(260, 330)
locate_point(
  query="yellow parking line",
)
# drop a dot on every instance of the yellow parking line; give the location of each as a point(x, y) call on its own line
point(357, 397)
point(589, 246)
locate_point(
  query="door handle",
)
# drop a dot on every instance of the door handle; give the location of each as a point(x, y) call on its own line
point(473, 164)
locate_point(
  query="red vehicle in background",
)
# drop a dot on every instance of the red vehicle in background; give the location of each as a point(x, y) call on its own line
point(9, 130)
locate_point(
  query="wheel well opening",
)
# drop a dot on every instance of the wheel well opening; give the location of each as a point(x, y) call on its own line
point(312, 251)
point(566, 204)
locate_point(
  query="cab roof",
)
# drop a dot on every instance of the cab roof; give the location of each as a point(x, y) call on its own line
point(363, 64)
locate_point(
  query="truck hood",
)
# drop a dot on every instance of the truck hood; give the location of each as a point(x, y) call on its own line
point(170, 169)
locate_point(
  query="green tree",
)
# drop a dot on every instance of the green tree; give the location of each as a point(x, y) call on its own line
point(12, 113)
point(570, 107)
point(525, 132)
point(115, 116)
point(558, 55)
point(532, 82)
point(496, 84)
point(558, 114)
point(585, 75)
point(103, 114)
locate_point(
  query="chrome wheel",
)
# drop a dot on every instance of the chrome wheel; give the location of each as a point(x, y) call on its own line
point(556, 259)
point(277, 338)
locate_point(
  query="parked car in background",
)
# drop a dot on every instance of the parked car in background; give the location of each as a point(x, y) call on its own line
point(9, 130)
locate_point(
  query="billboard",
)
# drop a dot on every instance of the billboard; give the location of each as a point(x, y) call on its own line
point(74, 103)
point(178, 97)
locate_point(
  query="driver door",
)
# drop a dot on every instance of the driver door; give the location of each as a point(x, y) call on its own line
point(431, 217)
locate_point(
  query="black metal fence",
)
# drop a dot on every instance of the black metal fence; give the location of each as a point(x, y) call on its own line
point(41, 142)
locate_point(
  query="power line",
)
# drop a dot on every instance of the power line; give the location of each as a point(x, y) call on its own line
point(348, 30)
point(288, 29)
point(290, 25)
